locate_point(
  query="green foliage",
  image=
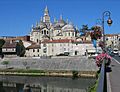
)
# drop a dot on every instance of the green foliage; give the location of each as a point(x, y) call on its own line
point(93, 88)
point(84, 28)
point(2, 42)
point(20, 49)
point(75, 74)
point(23, 71)
point(5, 63)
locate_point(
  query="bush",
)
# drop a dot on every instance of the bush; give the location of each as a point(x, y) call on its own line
point(75, 74)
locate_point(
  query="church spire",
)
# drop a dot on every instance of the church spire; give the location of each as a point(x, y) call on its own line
point(55, 20)
point(41, 19)
point(46, 11)
point(61, 17)
point(46, 17)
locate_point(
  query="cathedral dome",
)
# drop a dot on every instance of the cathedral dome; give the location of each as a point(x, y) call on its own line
point(59, 24)
point(62, 22)
point(42, 25)
point(68, 27)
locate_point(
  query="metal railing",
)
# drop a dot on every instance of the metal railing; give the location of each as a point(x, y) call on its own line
point(102, 83)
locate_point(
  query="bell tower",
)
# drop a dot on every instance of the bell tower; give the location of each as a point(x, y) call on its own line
point(46, 17)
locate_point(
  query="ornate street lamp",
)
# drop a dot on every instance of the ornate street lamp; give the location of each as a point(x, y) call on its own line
point(109, 22)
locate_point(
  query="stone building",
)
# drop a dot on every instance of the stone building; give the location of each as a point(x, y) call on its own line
point(57, 38)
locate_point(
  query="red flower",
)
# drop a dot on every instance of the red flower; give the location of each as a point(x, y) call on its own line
point(101, 57)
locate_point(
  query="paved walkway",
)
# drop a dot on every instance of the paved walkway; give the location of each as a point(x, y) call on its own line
point(114, 76)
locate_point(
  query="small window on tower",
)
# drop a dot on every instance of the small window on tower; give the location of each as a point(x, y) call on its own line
point(47, 32)
point(37, 40)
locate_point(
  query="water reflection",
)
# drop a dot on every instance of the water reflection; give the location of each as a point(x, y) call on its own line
point(44, 84)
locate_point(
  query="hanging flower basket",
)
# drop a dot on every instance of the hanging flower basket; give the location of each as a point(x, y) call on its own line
point(101, 57)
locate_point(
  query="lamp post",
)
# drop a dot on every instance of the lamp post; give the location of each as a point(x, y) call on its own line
point(109, 22)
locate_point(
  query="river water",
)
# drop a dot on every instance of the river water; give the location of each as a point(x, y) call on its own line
point(44, 84)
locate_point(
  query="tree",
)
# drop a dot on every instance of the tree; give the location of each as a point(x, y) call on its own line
point(96, 34)
point(5, 63)
point(1, 44)
point(20, 49)
point(84, 28)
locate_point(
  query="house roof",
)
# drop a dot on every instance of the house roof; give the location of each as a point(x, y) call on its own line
point(9, 44)
point(111, 35)
point(58, 41)
point(33, 46)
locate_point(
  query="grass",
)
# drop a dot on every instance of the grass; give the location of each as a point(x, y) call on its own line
point(93, 88)
point(22, 70)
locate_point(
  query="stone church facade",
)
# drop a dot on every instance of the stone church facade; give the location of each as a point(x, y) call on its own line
point(57, 38)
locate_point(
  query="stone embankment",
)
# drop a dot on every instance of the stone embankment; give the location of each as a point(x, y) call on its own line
point(53, 74)
point(52, 67)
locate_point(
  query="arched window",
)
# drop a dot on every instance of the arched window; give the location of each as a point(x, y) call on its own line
point(42, 32)
point(45, 32)
point(69, 33)
point(73, 34)
point(37, 40)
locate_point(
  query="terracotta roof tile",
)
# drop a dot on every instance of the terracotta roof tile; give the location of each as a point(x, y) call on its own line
point(58, 41)
point(9, 45)
point(33, 46)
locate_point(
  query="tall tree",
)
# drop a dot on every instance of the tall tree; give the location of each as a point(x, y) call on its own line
point(20, 49)
point(84, 28)
point(1, 44)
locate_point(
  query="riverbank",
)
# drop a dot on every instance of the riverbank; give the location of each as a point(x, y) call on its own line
point(52, 73)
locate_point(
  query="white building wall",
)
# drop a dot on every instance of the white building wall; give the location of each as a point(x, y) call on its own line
point(33, 52)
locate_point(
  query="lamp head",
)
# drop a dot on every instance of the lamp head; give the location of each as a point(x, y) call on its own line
point(109, 21)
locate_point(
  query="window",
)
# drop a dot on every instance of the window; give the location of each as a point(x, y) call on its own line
point(37, 50)
point(52, 44)
point(47, 32)
point(64, 49)
point(69, 34)
point(73, 34)
point(106, 39)
point(33, 50)
point(6, 49)
point(44, 50)
point(44, 45)
point(44, 31)
point(52, 50)
point(37, 40)
point(65, 34)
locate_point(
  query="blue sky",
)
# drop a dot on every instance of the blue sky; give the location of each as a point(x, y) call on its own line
point(17, 16)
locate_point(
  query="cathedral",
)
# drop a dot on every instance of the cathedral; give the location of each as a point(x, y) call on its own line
point(45, 30)
point(57, 38)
